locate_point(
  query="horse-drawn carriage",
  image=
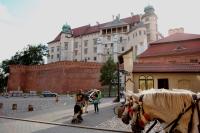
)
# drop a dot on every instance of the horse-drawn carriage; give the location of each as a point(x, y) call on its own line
point(177, 110)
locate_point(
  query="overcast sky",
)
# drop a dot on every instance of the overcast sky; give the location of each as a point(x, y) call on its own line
point(25, 22)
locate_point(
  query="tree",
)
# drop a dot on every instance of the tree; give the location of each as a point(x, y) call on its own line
point(108, 73)
point(31, 55)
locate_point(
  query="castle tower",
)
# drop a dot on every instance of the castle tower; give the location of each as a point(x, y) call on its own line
point(150, 20)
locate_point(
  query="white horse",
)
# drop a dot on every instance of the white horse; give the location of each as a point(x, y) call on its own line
point(177, 109)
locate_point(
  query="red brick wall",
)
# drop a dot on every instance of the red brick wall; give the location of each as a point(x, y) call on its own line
point(183, 58)
point(58, 77)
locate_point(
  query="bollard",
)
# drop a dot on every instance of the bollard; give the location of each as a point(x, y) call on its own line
point(30, 108)
point(57, 99)
point(1, 105)
point(14, 107)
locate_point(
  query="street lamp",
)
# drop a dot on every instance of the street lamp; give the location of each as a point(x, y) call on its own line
point(118, 83)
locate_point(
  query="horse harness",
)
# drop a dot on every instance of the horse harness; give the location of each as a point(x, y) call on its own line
point(138, 126)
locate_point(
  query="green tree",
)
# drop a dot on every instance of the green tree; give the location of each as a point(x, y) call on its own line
point(108, 73)
point(31, 55)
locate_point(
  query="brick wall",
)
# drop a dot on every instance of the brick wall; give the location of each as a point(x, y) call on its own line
point(58, 77)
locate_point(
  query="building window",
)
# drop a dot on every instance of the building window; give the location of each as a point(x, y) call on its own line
point(140, 32)
point(75, 44)
point(142, 83)
point(148, 37)
point(58, 48)
point(147, 19)
point(85, 51)
point(144, 32)
point(120, 39)
point(141, 44)
point(75, 52)
point(52, 49)
point(95, 41)
point(122, 48)
point(66, 45)
point(111, 44)
point(95, 49)
point(58, 55)
point(193, 60)
point(105, 45)
point(133, 35)
point(146, 82)
point(95, 58)
point(148, 26)
point(108, 38)
point(85, 43)
point(51, 56)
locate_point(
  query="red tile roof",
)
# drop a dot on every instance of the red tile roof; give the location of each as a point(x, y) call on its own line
point(165, 68)
point(173, 47)
point(177, 37)
point(87, 29)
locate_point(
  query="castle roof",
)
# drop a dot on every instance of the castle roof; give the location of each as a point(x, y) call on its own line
point(87, 29)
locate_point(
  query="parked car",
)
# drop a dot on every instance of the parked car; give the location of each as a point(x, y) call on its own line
point(49, 94)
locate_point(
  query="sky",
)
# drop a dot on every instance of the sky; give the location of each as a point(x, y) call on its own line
point(24, 22)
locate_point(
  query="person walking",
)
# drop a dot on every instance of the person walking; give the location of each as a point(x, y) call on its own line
point(96, 102)
point(86, 97)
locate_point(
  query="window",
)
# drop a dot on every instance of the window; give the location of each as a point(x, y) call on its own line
point(148, 37)
point(120, 39)
point(141, 44)
point(85, 51)
point(122, 48)
point(95, 41)
point(148, 26)
point(142, 84)
point(95, 49)
point(58, 48)
point(140, 32)
point(111, 44)
point(146, 82)
point(105, 45)
point(144, 32)
point(108, 38)
point(51, 56)
point(58, 55)
point(85, 43)
point(133, 35)
point(75, 52)
point(52, 49)
point(75, 44)
point(66, 45)
point(193, 60)
point(95, 58)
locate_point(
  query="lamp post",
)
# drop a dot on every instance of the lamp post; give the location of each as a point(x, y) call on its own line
point(118, 83)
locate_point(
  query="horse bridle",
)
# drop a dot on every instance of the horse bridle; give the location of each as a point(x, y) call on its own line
point(137, 127)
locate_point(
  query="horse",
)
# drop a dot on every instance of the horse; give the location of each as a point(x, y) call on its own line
point(177, 109)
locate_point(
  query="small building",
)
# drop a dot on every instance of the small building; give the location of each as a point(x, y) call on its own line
point(171, 62)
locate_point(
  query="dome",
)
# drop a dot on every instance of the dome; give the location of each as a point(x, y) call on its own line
point(149, 9)
point(66, 28)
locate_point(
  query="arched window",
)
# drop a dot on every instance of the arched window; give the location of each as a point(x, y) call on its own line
point(150, 83)
point(146, 82)
point(142, 83)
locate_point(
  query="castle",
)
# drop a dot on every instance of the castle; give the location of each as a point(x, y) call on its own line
point(97, 43)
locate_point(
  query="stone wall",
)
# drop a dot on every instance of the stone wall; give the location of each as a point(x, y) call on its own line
point(58, 77)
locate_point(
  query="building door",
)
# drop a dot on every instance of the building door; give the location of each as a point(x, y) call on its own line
point(163, 83)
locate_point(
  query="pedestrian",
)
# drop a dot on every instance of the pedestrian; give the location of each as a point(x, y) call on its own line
point(78, 108)
point(96, 102)
point(86, 97)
